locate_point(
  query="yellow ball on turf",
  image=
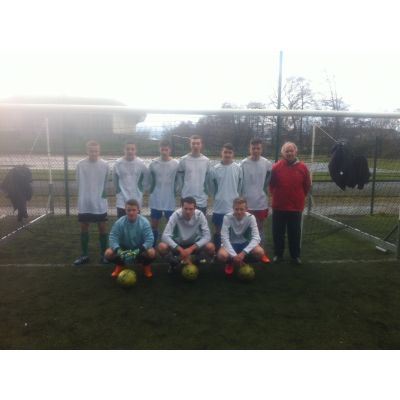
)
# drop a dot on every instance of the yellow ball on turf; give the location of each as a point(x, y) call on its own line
point(190, 272)
point(246, 273)
point(127, 278)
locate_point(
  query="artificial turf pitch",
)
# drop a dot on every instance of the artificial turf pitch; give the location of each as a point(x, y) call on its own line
point(352, 302)
point(315, 306)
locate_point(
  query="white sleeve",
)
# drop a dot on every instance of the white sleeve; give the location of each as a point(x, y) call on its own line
point(226, 243)
point(240, 184)
point(115, 178)
point(167, 236)
point(268, 177)
point(77, 174)
point(255, 236)
point(211, 183)
point(205, 232)
point(180, 176)
point(147, 178)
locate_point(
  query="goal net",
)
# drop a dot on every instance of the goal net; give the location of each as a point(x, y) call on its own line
point(49, 140)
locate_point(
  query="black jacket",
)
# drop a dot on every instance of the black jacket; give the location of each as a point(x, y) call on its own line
point(17, 185)
point(346, 169)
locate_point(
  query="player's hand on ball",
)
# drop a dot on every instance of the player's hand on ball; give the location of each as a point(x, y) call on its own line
point(238, 260)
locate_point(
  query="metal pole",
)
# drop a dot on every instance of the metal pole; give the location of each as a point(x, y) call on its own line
point(309, 203)
point(51, 188)
point(66, 178)
point(279, 118)
point(374, 178)
point(398, 237)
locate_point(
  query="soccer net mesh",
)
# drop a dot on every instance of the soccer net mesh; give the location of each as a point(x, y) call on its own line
point(51, 142)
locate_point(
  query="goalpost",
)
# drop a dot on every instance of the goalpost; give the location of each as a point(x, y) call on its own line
point(48, 124)
point(381, 244)
point(67, 127)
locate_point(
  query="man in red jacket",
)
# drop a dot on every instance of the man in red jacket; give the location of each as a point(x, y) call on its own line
point(290, 183)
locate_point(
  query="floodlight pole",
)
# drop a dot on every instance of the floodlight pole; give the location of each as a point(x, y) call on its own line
point(279, 118)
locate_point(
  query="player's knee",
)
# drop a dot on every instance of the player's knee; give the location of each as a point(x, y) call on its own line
point(109, 253)
point(151, 253)
point(257, 252)
point(163, 248)
point(222, 255)
point(209, 248)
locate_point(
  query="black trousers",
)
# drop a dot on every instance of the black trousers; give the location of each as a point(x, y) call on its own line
point(289, 221)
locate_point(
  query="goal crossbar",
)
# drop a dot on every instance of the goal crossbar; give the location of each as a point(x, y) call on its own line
point(74, 108)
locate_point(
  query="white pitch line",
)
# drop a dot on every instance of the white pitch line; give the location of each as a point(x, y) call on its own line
point(351, 261)
point(325, 262)
point(54, 265)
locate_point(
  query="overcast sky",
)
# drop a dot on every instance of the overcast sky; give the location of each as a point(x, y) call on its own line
point(192, 54)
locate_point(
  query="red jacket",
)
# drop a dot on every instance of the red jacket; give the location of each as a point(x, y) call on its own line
point(289, 185)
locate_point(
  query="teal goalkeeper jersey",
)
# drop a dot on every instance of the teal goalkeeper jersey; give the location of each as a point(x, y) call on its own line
point(162, 184)
point(225, 186)
point(131, 235)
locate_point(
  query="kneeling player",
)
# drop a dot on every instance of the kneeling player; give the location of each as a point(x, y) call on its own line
point(240, 237)
point(131, 238)
point(186, 237)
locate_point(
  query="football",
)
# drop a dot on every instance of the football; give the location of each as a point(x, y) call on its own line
point(127, 278)
point(246, 273)
point(190, 272)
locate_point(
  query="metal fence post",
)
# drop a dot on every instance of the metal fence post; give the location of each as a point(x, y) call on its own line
point(66, 177)
point(371, 212)
point(279, 118)
point(398, 237)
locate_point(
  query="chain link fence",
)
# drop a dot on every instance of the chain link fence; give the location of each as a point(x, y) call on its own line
point(51, 143)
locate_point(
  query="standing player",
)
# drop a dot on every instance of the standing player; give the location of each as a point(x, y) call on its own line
point(91, 175)
point(225, 185)
point(187, 234)
point(240, 237)
point(131, 234)
point(290, 184)
point(193, 174)
point(130, 176)
point(256, 176)
point(162, 186)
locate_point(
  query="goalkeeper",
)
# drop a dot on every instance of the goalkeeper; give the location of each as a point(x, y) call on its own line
point(131, 239)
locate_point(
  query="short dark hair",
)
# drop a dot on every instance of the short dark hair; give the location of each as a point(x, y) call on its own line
point(240, 200)
point(228, 146)
point(255, 141)
point(189, 200)
point(195, 137)
point(165, 143)
point(133, 203)
point(92, 143)
point(129, 142)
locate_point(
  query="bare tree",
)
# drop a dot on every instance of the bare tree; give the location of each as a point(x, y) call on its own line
point(296, 95)
point(334, 102)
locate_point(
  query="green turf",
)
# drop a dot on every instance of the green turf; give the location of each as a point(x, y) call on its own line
point(319, 305)
point(312, 307)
